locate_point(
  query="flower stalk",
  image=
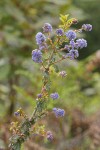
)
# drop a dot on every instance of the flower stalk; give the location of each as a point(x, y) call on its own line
point(22, 131)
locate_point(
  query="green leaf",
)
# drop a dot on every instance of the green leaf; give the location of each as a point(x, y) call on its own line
point(4, 71)
point(17, 146)
point(56, 68)
point(24, 94)
point(63, 18)
point(27, 74)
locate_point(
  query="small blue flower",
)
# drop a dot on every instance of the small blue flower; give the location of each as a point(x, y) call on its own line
point(54, 96)
point(59, 112)
point(71, 34)
point(37, 56)
point(43, 46)
point(72, 44)
point(49, 136)
point(87, 27)
point(59, 32)
point(67, 47)
point(72, 54)
point(39, 95)
point(16, 113)
point(62, 74)
point(40, 38)
point(47, 28)
point(80, 43)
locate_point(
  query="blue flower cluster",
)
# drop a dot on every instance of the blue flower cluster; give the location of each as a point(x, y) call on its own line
point(49, 136)
point(62, 74)
point(47, 28)
point(87, 27)
point(39, 95)
point(16, 113)
point(72, 54)
point(60, 32)
point(67, 47)
point(80, 43)
point(70, 34)
point(59, 112)
point(37, 56)
point(40, 38)
point(72, 47)
point(54, 96)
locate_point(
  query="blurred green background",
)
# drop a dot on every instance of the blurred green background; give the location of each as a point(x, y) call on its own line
point(20, 78)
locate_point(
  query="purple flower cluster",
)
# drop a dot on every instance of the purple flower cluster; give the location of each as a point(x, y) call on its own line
point(43, 46)
point(40, 38)
point(73, 46)
point(71, 34)
point(80, 43)
point(59, 112)
point(62, 73)
point(60, 32)
point(54, 96)
point(16, 113)
point(37, 56)
point(73, 54)
point(87, 27)
point(67, 47)
point(47, 28)
point(39, 95)
point(49, 136)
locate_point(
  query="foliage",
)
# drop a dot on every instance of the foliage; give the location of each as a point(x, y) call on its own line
point(92, 15)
